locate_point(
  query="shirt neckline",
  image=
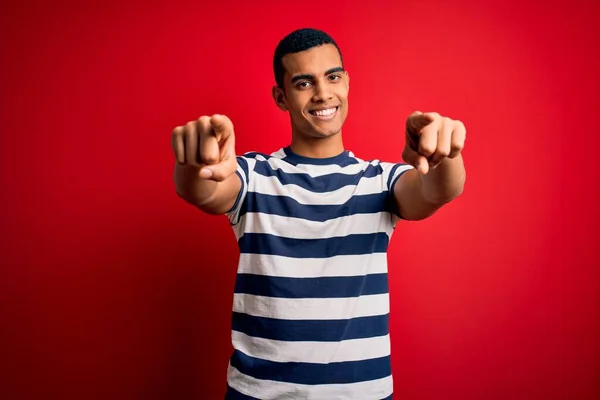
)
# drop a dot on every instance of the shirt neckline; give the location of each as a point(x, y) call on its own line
point(298, 159)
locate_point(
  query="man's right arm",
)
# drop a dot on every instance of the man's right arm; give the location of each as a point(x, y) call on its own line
point(205, 169)
point(210, 196)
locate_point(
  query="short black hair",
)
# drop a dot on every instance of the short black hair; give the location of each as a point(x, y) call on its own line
point(295, 42)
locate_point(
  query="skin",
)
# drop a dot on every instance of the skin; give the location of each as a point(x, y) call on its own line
point(315, 80)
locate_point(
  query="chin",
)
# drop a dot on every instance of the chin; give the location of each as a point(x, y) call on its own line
point(328, 129)
point(325, 133)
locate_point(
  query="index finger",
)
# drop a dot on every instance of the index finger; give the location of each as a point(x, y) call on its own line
point(417, 121)
point(428, 140)
point(222, 126)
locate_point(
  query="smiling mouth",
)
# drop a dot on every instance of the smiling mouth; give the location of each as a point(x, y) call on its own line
point(325, 114)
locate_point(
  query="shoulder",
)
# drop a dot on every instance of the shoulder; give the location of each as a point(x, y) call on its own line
point(376, 166)
point(261, 156)
point(263, 163)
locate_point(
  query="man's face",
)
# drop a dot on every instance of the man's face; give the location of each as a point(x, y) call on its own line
point(315, 91)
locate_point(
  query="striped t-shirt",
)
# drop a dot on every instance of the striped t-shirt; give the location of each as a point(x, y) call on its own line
point(311, 304)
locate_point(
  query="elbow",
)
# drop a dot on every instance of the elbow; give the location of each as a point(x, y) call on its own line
point(439, 200)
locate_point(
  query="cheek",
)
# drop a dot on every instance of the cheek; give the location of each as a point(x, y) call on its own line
point(298, 106)
point(343, 95)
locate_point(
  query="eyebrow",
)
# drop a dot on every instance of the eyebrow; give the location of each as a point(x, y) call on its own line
point(308, 76)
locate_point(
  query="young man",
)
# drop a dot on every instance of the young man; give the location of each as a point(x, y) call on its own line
point(313, 223)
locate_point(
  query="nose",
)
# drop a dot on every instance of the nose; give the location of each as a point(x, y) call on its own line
point(322, 92)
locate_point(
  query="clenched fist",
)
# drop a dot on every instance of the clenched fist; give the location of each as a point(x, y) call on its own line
point(431, 138)
point(208, 144)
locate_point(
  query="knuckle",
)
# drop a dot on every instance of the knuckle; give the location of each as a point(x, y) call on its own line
point(457, 144)
point(222, 121)
point(208, 156)
point(190, 127)
point(442, 152)
point(426, 150)
point(209, 159)
point(177, 131)
point(203, 124)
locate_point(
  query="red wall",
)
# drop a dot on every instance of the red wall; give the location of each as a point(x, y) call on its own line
point(112, 287)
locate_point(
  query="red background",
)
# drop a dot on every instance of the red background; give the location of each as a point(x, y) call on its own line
point(113, 287)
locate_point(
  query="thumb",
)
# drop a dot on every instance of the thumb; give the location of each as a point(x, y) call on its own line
point(220, 171)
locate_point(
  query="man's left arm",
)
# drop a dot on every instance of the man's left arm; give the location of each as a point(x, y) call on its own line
point(433, 147)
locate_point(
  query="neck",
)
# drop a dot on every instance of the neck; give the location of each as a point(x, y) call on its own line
point(315, 147)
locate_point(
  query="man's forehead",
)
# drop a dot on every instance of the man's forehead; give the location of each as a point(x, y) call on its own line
point(316, 60)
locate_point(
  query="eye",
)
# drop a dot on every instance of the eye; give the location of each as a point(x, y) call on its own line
point(303, 85)
point(335, 77)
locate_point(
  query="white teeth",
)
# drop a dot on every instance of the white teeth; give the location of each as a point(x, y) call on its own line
point(325, 113)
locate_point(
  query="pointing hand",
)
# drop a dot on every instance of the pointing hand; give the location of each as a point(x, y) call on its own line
point(431, 138)
point(207, 143)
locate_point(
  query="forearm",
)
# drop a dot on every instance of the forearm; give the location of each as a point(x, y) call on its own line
point(446, 182)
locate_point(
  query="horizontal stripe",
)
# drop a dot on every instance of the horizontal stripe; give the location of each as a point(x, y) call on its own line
point(278, 161)
point(297, 228)
point(302, 288)
point(312, 352)
point(273, 390)
point(312, 374)
point(256, 155)
point(351, 265)
point(272, 186)
point(233, 394)
point(314, 181)
point(258, 243)
point(288, 207)
point(311, 330)
point(312, 308)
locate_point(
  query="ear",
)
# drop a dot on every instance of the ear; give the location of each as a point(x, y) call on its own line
point(279, 97)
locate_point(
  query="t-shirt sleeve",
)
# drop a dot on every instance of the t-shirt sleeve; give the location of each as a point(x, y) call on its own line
point(392, 173)
point(245, 167)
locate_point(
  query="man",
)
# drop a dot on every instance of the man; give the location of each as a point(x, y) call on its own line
point(313, 223)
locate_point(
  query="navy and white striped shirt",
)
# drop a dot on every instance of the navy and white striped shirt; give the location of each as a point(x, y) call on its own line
point(311, 304)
